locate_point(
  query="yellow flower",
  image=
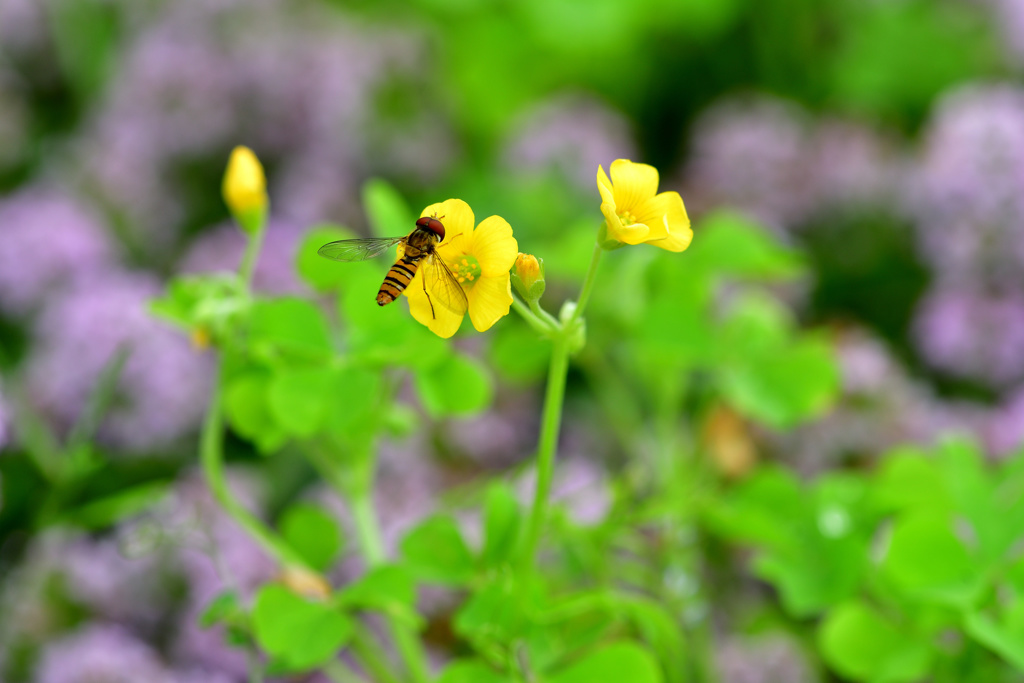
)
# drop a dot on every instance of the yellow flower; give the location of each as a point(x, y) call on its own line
point(635, 214)
point(245, 186)
point(479, 258)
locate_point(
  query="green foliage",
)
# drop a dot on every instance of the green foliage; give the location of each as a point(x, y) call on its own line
point(611, 663)
point(436, 552)
point(894, 561)
point(313, 533)
point(299, 633)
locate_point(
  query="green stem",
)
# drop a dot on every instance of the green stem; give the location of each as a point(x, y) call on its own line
point(339, 672)
point(368, 532)
point(543, 315)
point(588, 284)
point(251, 256)
point(551, 421)
point(212, 458)
point(371, 658)
point(536, 322)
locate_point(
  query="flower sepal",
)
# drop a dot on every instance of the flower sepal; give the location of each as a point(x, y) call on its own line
point(574, 329)
point(606, 241)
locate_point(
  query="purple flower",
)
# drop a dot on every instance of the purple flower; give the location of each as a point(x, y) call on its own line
point(100, 653)
point(750, 153)
point(1004, 433)
point(766, 659)
point(967, 195)
point(851, 167)
point(221, 249)
point(164, 383)
point(116, 587)
point(218, 556)
point(49, 240)
point(972, 335)
point(23, 27)
point(571, 134)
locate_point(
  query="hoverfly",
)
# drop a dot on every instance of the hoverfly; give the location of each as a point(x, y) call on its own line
point(419, 252)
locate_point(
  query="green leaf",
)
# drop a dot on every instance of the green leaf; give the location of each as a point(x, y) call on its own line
point(658, 628)
point(613, 663)
point(298, 399)
point(248, 412)
point(389, 215)
point(289, 325)
point(320, 273)
point(384, 588)
point(926, 560)
point(496, 613)
point(1005, 637)
point(107, 511)
point(223, 606)
point(436, 552)
point(908, 479)
point(459, 385)
point(501, 525)
point(313, 533)
point(861, 644)
point(471, 671)
point(783, 387)
point(972, 490)
point(732, 244)
point(300, 633)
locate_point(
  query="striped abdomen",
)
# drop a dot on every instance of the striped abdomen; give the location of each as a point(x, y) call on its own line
point(398, 279)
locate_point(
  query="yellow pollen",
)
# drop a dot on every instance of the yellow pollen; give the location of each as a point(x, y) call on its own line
point(467, 269)
point(627, 218)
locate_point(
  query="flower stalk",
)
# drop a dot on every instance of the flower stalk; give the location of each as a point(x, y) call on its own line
point(567, 335)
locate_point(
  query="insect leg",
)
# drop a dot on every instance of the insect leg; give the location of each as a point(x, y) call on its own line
point(425, 292)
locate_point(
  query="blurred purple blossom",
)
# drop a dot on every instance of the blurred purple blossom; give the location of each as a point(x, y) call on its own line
point(852, 167)
point(23, 26)
point(750, 153)
point(571, 134)
point(221, 248)
point(764, 659)
point(1004, 433)
point(880, 407)
point(164, 383)
point(972, 335)
point(216, 555)
point(49, 239)
point(1009, 18)
point(966, 195)
point(123, 589)
point(100, 653)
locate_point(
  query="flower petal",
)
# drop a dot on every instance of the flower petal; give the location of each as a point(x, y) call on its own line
point(604, 186)
point(439, 320)
point(633, 184)
point(494, 246)
point(677, 223)
point(489, 301)
point(458, 219)
point(629, 234)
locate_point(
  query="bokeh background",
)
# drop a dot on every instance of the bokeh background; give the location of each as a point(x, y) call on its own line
point(882, 138)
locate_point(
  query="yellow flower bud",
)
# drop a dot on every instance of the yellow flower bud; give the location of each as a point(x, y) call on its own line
point(305, 583)
point(528, 276)
point(245, 189)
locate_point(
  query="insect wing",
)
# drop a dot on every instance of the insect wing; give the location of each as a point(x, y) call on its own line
point(358, 249)
point(442, 285)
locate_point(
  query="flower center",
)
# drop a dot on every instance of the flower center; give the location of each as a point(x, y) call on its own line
point(466, 269)
point(627, 218)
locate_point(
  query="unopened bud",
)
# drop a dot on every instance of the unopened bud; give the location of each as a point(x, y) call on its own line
point(306, 583)
point(245, 189)
point(528, 277)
